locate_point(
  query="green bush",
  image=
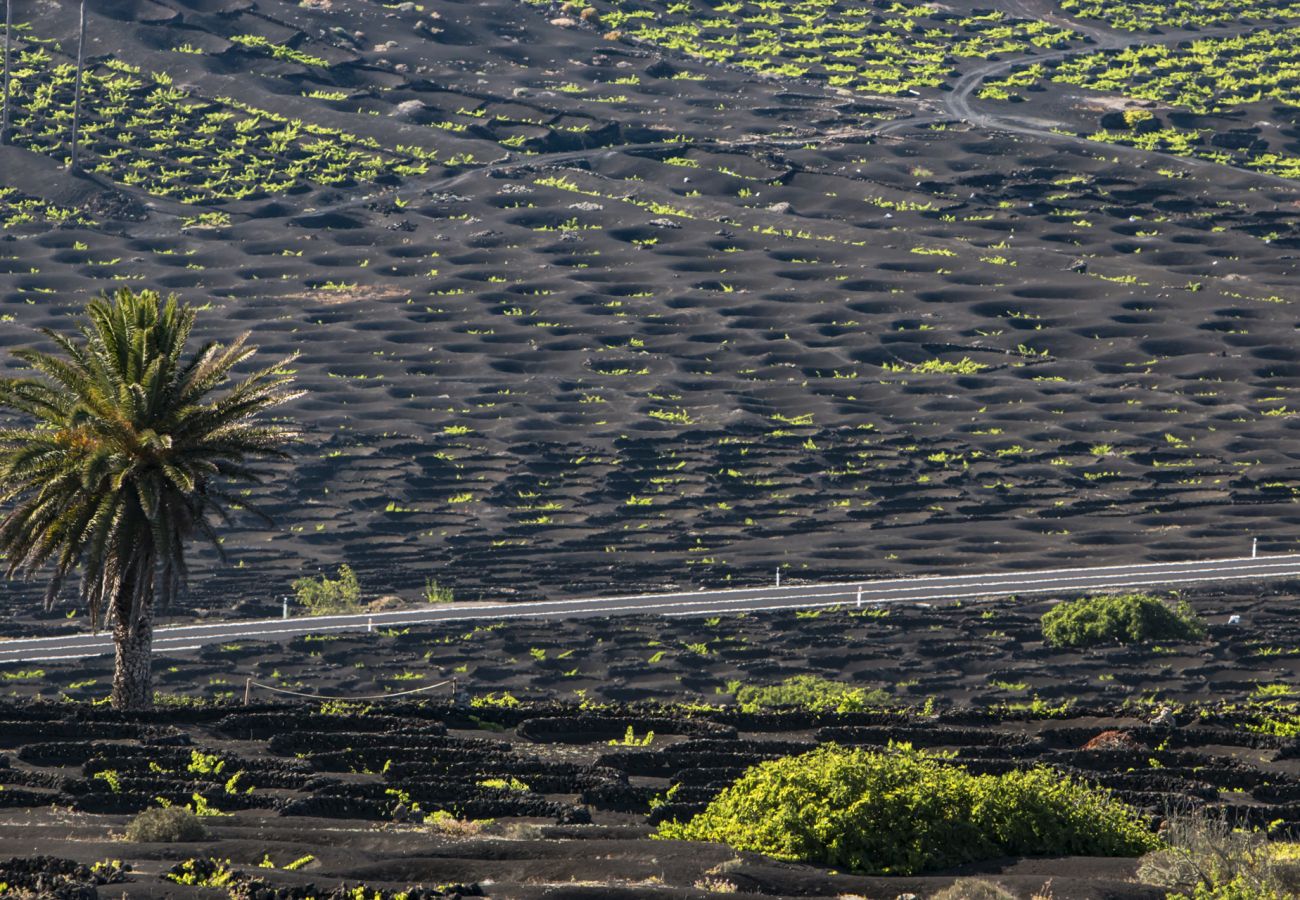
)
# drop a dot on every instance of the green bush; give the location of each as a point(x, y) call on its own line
point(904, 811)
point(1205, 858)
point(1120, 618)
point(323, 596)
point(808, 692)
point(165, 826)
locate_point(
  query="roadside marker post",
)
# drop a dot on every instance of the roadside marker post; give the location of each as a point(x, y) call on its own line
point(286, 608)
point(1254, 548)
point(859, 596)
point(370, 625)
point(778, 576)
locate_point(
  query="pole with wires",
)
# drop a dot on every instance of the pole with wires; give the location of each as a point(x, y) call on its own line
point(4, 118)
point(74, 165)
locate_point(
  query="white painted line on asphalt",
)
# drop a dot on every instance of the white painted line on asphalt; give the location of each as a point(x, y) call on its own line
point(976, 594)
point(1113, 577)
point(322, 623)
point(692, 610)
point(1029, 574)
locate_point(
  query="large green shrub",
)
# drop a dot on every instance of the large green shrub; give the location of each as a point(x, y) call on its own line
point(809, 692)
point(1122, 619)
point(904, 811)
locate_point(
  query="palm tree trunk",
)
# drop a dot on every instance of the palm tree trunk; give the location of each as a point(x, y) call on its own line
point(76, 101)
point(9, 19)
point(132, 676)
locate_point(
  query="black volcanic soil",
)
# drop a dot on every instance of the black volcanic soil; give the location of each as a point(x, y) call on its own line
point(648, 322)
point(549, 704)
point(625, 362)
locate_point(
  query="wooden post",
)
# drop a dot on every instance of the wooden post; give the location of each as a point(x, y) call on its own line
point(8, 100)
point(248, 690)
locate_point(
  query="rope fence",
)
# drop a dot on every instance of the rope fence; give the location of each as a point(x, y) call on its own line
point(249, 684)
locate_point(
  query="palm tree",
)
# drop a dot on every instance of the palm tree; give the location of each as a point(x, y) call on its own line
point(128, 455)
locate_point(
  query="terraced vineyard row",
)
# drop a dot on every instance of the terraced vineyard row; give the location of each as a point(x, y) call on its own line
point(1194, 94)
point(1146, 15)
point(141, 130)
point(888, 48)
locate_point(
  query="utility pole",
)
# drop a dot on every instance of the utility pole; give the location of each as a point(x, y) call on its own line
point(4, 122)
point(74, 166)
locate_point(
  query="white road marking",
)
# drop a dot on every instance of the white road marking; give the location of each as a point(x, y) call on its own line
point(731, 600)
point(919, 580)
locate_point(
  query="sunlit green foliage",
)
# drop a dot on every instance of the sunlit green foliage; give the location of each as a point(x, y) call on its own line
point(1142, 15)
point(140, 130)
point(904, 811)
point(1207, 75)
point(18, 209)
point(1210, 75)
point(808, 692)
point(1121, 619)
point(889, 51)
point(330, 596)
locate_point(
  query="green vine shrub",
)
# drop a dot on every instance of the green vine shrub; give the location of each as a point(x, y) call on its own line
point(808, 692)
point(325, 596)
point(1120, 619)
point(904, 811)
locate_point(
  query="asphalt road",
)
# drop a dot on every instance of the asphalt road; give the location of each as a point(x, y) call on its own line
point(925, 589)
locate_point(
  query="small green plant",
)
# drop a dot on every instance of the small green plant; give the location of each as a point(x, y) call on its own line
point(324, 596)
point(344, 708)
point(810, 692)
point(436, 593)
point(259, 44)
point(25, 675)
point(200, 806)
point(110, 778)
point(505, 784)
point(214, 873)
point(631, 740)
point(1122, 619)
point(503, 700)
point(165, 825)
point(233, 786)
point(205, 763)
